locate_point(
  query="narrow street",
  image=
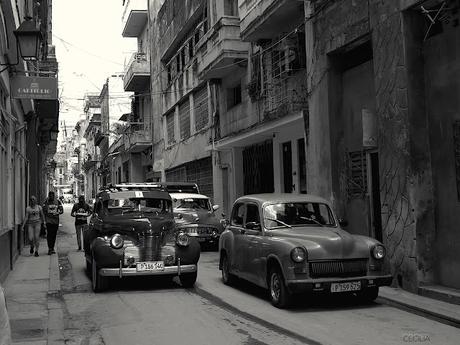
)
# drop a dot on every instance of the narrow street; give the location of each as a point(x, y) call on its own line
point(147, 311)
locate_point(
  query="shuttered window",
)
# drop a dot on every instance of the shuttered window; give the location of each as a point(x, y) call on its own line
point(170, 127)
point(201, 108)
point(357, 174)
point(184, 119)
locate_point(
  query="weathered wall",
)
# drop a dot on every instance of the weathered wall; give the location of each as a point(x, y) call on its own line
point(404, 158)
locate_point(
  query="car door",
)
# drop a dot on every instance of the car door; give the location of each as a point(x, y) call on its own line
point(253, 234)
point(239, 238)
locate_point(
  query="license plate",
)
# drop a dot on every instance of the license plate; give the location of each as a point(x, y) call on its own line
point(201, 239)
point(150, 266)
point(344, 287)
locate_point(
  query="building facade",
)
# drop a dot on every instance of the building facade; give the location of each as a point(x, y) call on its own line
point(383, 128)
point(28, 128)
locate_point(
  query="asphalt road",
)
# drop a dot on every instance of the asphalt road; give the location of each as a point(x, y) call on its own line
point(150, 311)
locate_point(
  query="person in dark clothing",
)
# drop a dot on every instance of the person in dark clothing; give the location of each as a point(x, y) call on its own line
point(52, 208)
point(81, 210)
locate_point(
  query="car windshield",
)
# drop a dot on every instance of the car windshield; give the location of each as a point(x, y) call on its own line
point(192, 203)
point(123, 205)
point(285, 215)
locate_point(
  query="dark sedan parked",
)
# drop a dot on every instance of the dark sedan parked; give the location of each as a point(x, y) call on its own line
point(293, 243)
point(132, 232)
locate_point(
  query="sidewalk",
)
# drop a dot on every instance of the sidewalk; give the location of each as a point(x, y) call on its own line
point(444, 312)
point(34, 302)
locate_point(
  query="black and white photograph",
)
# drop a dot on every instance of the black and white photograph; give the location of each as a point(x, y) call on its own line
point(229, 172)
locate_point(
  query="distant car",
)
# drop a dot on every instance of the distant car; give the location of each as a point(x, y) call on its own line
point(5, 330)
point(132, 232)
point(293, 243)
point(171, 187)
point(196, 217)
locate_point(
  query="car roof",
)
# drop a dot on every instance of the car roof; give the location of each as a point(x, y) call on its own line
point(126, 194)
point(178, 187)
point(271, 198)
point(187, 196)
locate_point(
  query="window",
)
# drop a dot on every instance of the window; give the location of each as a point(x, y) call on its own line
point(184, 119)
point(170, 127)
point(233, 96)
point(238, 215)
point(231, 8)
point(201, 108)
point(252, 214)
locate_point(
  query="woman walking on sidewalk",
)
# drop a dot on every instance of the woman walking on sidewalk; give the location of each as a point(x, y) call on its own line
point(34, 219)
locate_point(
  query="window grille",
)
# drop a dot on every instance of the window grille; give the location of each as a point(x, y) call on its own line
point(184, 119)
point(357, 174)
point(201, 108)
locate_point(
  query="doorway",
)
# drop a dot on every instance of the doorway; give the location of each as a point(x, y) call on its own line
point(287, 166)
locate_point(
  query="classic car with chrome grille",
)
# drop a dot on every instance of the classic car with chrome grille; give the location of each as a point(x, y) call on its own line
point(196, 217)
point(132, 232)
point(294, 244)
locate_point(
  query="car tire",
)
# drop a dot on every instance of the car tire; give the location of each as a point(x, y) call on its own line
point(99, 283)
point(369, 295)
point(227, 277)
point(187, 280)
point(280, 297)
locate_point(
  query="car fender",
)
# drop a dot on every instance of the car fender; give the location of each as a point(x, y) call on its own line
point(104, 254)
point(272, 258)
point(226, 245)
point(190, 254)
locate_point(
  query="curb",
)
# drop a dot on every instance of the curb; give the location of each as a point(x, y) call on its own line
point(55, 311)
point(445, 319)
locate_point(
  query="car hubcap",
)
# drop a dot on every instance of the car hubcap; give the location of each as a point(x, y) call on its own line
point(275, 287)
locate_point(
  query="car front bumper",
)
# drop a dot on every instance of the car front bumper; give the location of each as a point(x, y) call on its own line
point(324, 284)
point(128, 271)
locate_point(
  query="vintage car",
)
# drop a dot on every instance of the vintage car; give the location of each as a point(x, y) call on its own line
point(196, 217)
point(294, 244)
point(132, 232)
point(171, 187)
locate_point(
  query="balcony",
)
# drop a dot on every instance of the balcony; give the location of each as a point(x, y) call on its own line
point(221, 51)
point(137, 141)
point(134, 17)
point(99, 137)
point(137, 74)
point(266, 19)
point(90, 162)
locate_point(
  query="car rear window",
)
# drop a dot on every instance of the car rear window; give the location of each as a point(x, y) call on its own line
point(121, 205)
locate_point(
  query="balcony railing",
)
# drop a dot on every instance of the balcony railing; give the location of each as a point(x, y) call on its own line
point(137, 74)
point(138, 140)
point(220, 48)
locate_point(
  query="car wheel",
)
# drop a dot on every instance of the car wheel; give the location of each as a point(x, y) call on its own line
point(280, 297)
point(99, 283)
point(369, 295)
point(227, 277)
point(187, 280)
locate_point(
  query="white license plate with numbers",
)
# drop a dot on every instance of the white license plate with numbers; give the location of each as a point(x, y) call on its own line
point(344, 287)
point(150, 266)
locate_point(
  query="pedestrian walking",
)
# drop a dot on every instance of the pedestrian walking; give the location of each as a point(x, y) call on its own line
point(33, 221)
point(52, 208)
point(81, 210)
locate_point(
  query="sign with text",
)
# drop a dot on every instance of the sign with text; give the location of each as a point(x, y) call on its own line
point(34, 87)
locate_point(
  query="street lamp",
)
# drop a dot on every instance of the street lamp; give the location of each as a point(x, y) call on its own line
point(28, 39)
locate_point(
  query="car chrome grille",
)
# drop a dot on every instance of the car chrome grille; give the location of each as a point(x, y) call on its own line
point(342, 268)
point(150, 247)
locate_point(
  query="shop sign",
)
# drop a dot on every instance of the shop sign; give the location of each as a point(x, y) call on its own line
point(34, 87)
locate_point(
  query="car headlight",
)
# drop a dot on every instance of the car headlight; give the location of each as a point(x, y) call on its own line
point(116, 241)
point(298, 254)
point(182, 239)
point(378, 252)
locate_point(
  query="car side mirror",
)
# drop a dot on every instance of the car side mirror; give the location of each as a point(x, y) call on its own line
point(215, 207)
point(343, 222)
point(253, 226)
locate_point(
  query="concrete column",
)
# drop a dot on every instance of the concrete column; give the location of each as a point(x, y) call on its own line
point(236, 189)
point(192, 115)
point(277, 165)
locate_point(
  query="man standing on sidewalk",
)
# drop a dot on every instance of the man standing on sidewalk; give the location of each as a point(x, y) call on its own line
point(81, 210)
point(52, 208)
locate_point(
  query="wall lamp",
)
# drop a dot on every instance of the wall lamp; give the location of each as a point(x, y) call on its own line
point(28, 39)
